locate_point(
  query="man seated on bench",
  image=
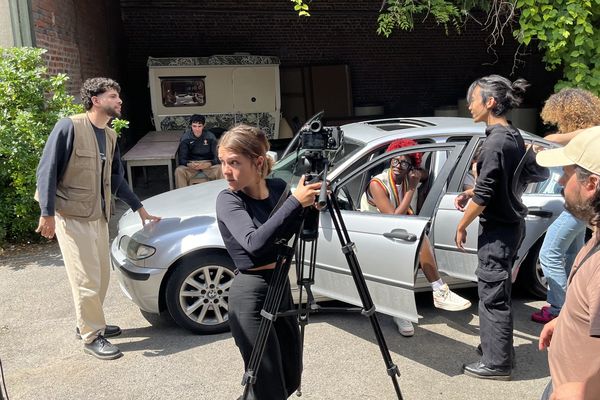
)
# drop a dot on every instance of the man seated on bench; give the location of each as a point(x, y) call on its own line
point(394, 192)
point(198, 160)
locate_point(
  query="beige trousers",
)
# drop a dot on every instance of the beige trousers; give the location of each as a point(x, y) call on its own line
point(184, 174)
point(84, 247)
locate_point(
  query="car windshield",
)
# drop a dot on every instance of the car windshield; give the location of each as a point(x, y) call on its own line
point(291, 167)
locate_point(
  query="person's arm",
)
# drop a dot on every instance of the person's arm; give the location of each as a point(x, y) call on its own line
point(562, 138)
point(381, 198)
point(589, 389)
point(53, 163)
point(232, 213)
point(383, 203)
point(51, 168)
point(472, 211)
point(183, 152)
point(489, 175)
point(122, 190)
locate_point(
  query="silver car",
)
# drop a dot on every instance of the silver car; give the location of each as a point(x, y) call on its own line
point(180, 266)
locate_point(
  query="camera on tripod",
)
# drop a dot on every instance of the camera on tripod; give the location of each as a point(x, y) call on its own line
point(318, 138)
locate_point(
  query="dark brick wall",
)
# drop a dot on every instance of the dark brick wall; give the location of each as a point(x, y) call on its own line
point(411, 73)
point(83, 37)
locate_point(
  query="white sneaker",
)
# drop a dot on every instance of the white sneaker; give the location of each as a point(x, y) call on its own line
point(446, 299)
point(405, 327)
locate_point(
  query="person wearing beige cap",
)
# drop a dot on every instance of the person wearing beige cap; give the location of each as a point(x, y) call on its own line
point(574, 336)
point(570, 110)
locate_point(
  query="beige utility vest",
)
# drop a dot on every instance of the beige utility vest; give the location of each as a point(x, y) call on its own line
point(78, 193)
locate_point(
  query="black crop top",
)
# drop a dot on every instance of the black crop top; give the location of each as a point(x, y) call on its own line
point(248, 232)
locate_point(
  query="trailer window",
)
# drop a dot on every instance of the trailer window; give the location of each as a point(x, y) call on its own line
point(183, 91)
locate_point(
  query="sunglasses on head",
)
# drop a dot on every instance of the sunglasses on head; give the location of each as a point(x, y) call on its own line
point(403, 164)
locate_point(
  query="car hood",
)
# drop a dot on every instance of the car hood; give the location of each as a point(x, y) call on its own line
point(180, 210)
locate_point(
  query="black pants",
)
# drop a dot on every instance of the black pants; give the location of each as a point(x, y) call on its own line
point(279, 372)
point(497, 249)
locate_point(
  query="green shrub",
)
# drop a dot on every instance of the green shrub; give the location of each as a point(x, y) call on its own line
point(31, 101)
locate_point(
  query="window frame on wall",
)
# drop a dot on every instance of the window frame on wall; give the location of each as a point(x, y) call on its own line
point(195, 89)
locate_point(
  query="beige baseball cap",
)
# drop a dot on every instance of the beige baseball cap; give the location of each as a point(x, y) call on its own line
point(583, 150)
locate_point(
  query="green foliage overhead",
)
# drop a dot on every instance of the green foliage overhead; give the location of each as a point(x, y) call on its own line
point(31, 101)
point(567, 31)
point(401, 14)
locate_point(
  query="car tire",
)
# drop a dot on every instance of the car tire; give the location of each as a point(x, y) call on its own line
point(531, 278)
point(197, 293)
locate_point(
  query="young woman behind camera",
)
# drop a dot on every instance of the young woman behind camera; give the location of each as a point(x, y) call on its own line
point(250, 223)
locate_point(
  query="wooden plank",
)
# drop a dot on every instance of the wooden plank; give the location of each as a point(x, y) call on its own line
point(162, 136)
point(152, 151)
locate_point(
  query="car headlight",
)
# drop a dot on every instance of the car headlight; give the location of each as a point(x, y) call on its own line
point(134, 249)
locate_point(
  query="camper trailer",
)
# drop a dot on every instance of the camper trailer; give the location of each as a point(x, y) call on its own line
point(226, 89)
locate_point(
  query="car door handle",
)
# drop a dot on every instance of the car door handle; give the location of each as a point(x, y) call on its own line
point(539, 212)
point(401, 234)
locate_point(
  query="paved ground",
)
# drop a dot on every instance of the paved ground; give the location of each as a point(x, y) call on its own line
point(43, 360)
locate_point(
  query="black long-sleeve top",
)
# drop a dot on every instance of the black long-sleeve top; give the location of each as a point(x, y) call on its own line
point(55, 158)
point(248, 232)
point(203, 148)
point(500, 155)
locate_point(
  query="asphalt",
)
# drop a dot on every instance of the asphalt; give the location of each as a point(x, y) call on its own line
point(42, 359)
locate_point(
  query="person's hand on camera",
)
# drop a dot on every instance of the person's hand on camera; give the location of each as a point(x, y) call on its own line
point(306, 194)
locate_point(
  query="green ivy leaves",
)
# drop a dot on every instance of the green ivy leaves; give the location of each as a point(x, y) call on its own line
point(564, 29)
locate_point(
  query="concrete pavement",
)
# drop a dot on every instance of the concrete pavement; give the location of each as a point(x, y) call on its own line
point(43, 360)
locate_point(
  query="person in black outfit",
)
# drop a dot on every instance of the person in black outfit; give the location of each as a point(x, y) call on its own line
point(250, 223)
point(501, 221)
point(197, 153)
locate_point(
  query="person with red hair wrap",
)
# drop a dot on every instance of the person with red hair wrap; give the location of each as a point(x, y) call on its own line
point(393, 192)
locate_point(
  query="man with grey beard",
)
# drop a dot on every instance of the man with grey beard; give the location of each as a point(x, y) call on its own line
point(573, 338)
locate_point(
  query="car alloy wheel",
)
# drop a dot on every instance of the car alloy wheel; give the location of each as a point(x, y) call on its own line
point(197, 294)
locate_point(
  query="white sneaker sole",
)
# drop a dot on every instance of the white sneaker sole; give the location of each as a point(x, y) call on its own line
point(448, 307)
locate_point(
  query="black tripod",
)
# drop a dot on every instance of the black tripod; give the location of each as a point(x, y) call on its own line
point(308, 233)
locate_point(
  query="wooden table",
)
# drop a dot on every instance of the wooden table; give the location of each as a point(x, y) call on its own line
point(155, 148)
point(162, 136)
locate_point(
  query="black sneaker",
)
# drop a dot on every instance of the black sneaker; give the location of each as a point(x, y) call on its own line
point(102, 349)
point(109, 331)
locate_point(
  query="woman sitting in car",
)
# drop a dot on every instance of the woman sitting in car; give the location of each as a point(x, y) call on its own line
point(394, 192)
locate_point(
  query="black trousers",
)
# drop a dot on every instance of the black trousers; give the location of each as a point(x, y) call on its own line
point(496, 250)
point(280, 369)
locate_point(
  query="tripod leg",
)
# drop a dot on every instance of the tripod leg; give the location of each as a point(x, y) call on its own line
point(363, 290)
point(269, 312)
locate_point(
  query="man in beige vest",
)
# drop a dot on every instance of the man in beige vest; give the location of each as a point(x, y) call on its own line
point(573, 337)
point(79, 168)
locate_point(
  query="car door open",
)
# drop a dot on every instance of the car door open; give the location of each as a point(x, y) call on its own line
point(387, 245)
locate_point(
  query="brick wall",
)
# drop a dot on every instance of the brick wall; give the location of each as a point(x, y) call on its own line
point(83, 37)
point(411, 73)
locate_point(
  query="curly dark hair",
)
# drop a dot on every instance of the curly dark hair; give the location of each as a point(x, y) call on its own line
point(400, 143)
point(94, 87)
point(571, 109)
